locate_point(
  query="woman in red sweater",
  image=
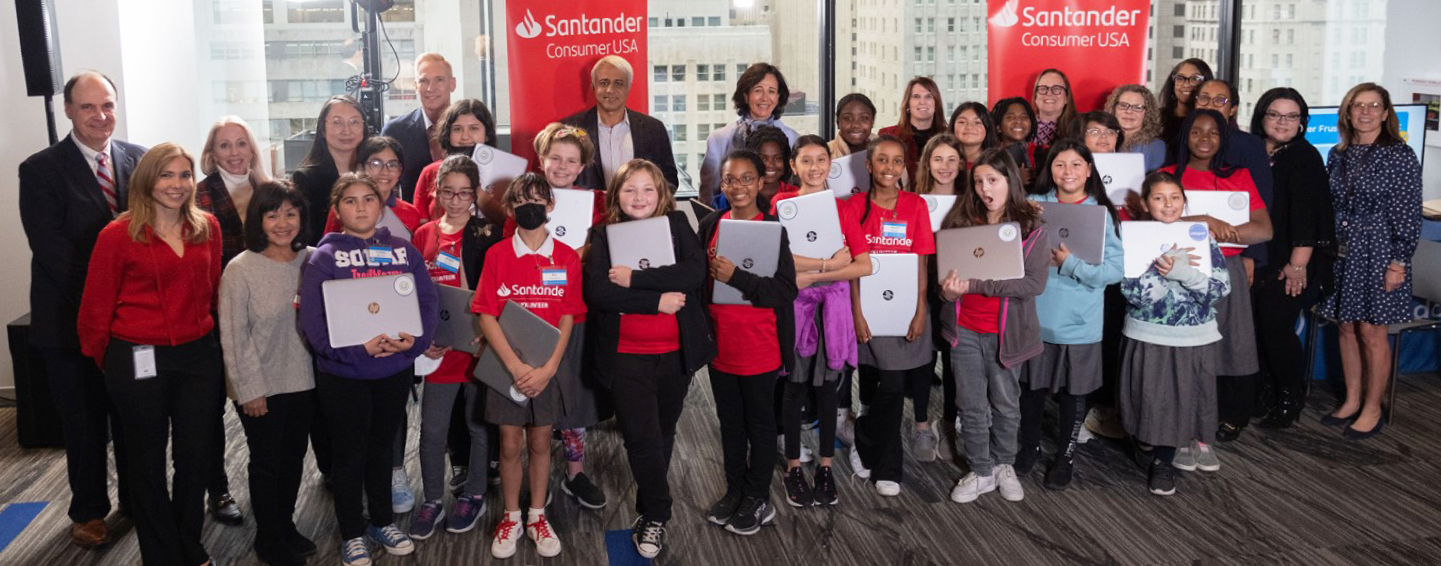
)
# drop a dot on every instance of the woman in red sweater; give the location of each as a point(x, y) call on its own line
point(145, 318)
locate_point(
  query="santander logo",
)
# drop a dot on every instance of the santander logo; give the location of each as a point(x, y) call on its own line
point(1007, 16)
point(528, 28)
point(504, 291)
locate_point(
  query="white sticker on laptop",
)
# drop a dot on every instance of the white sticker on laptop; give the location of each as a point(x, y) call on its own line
point(404, 286)
point(1007, 233)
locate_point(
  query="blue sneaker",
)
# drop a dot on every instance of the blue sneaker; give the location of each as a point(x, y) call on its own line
point(394, 541)
point(431, 513)
point(401, 499)
point(466, 514)
point(355, 552)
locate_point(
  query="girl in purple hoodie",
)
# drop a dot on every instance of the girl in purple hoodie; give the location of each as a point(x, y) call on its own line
point(362, 388)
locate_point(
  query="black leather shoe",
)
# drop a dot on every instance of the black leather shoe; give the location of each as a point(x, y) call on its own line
point(225, 510)
point(1228, 432)
point(1353, 434)
point(1329, 420)
point(1285, 413)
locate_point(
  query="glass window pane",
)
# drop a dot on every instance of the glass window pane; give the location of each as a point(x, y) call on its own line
point(1318, 48)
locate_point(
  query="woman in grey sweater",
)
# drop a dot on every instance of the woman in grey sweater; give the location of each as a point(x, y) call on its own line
point(267, 366)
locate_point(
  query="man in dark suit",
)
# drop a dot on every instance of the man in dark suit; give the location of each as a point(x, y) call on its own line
point(68, 192)
point(415, 130)
point(620, 134)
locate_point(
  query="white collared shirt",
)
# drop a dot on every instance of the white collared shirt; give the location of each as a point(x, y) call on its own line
point(547, 248)
point(90, 156)
point(615, 145)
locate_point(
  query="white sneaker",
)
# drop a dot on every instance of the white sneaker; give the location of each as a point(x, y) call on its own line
point(857, 467)
point(402, 500)
point(1084, 436)
point(1206, 459)
point(507, 535)
point(972, 486)
point(805, 452)
point(1185, 459)
point(846, 429)
point(538, 529)
point(1008, 484)
point(888, 488)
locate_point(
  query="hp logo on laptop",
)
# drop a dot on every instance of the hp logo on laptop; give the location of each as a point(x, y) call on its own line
point(979, 252)
point(444, 314)
point(1064, 232)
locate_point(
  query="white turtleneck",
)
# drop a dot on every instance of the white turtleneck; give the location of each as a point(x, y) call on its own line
point(240, 190)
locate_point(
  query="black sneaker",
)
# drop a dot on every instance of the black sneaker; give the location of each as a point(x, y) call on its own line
point(752, 514)
point(648, 537)
point(1163, 478)
point(1026, 460)
point(584, 492)
point(1059, 476)
point(825, 489)
point(798, 492)
point(457, 479)
point(721, 512)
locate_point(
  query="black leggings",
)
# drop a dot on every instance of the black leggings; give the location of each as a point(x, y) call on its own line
point(796, 397)
point(1033, 404)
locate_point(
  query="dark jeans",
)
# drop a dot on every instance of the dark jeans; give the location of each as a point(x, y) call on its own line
point(745, 406)
point(277, 442)
point(878, 431)
point(1283, 359)
point(88, 418)
point(797, 395)
point(177, 407)
point(362, 415)
point(649, 393)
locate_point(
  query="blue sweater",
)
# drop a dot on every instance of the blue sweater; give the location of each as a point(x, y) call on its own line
point(1072, 307)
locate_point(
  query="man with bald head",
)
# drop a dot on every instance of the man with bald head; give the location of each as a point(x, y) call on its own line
point(434, 82)
point(619, 133)
point(68, 192)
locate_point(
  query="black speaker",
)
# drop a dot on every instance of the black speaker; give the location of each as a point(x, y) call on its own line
point(39, 47)
point(36, 418)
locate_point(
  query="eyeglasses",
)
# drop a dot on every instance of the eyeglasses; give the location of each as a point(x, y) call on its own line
point(745, 181)
point(351, 124)
point(1053, 89)
point(1363, 107)
point(1207, 100)
point(1101, 132)
point(456, 195)
point(1193, 79)
point(1282, 118)
point(1123, 107)
point(392, 165)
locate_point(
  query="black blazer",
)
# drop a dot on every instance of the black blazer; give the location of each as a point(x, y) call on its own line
point(607, 300)
point(314, 181)
point(778, 293)
point(63, 210)
point(479, 237)
point(409, 130)
point(647, 135)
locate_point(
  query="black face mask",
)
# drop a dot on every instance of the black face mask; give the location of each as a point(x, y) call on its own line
point(530, 215)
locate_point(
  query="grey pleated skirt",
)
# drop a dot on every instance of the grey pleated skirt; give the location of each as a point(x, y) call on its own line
point(894, 353)
point(563, 396)
point(1168, 393)
point(1237, 353)
point(1064, 368)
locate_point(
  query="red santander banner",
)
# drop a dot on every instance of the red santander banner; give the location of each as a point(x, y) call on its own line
point(553, 46)
point(1098, 44)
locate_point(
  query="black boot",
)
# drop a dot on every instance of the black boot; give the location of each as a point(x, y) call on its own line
point(1267, 396)
point(1026, 460)
point(1059, 476)
point(1286, 412)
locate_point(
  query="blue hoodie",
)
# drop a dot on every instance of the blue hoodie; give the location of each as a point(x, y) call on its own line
point(342, 256)
point(1073, 306)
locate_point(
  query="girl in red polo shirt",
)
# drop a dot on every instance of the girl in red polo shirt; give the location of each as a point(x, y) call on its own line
point(749, 353)
point(542, 274)
point(825, 331)
point(145, 318)
point(454, 248)
point(1199, 166)
point(893, 222)
point(996, 327)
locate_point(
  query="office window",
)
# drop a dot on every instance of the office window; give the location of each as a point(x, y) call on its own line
point(702, 103)
point(680, 131)
point(697, 21)
point(702, 131)
point(660, 75)
point(720, 72)
point(950, 25)
point(719, 101)
point(677, 73)
point(660, 104)
point(702, 72)
point(677, 103)
point(713, 21)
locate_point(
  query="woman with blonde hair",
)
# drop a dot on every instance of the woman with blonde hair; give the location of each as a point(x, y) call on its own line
point(145, 318)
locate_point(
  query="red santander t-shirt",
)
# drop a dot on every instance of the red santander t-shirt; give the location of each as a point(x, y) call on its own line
point(546, 284)
point(1240, 180)
point(746, 338)
point(903, 230)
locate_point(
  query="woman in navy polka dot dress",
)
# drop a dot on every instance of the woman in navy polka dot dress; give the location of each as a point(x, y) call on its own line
point(1376, 185)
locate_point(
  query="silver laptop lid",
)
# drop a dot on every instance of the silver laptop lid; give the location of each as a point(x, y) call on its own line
point(357, 310)
point(991, 252)
point(1121, 173)
point(531, 338)
point(888, 294)
point(752, 245)
point(1082, 227)
point(457, 326)
point(571, 219)
point(640, 244)
point(814, 223)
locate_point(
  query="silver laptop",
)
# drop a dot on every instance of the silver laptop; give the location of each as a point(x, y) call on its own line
point(570, 221)
point(752, 245)
point(357, 310)
point(1121, 173)
point(990, 252)
point(938, 206)
point(458, 326)
point(641, 244)
point(533, 340)
point(848, 175)
point(1144, 240)
point(814, 223)
point(1082, 227)
point(888, 294)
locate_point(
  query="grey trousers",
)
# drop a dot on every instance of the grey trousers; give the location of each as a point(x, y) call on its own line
point(436, 402)
point(990, 401)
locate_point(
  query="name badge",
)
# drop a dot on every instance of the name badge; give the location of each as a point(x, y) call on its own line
point(144, 361)
point(379, 255)
point(448, 262)
point(893, 229)
point(552, 276)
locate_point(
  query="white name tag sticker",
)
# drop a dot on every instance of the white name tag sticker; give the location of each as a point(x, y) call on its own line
point(144, 361)
point(552, 277)
point(893, 229)
point(380, 255)
point(448, 262)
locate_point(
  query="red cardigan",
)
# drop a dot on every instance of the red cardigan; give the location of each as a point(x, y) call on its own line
point(144, 293)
